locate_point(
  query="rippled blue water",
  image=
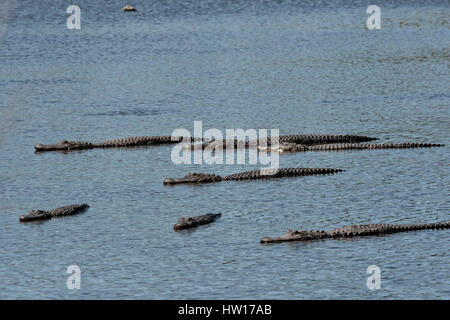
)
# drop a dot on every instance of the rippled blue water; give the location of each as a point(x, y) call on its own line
point(300, 66)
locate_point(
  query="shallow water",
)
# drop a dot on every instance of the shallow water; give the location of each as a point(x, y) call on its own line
point(299, 66)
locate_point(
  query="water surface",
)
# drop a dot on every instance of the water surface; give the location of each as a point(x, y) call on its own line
point(299, 66)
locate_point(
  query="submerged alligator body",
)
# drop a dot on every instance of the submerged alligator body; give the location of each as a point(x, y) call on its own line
point(303, 139)
point(65, 145)
point(291, 147)
point(39, 215)
point(192, 222)
point(354, 231)
point(251, 175)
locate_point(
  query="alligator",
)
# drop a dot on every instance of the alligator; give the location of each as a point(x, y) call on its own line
point(354, 231)
point(303, 139)
point(292, 147)
point(317, 138)
point(65, 145)
point(39, 215)
point(192, 222)
point(251, 175)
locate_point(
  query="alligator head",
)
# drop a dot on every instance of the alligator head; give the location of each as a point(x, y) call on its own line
point(297, 235)
point(36, 215)
point(63, 145)
point(194, 178)
point(192, 222)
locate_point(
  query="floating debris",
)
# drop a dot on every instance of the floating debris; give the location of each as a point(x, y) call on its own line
point(129, 8)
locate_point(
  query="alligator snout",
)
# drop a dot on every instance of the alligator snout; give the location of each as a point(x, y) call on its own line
point(169, 181)
point(35, 215)
point(39, 147)
point(62, 145)
point(266, 240)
